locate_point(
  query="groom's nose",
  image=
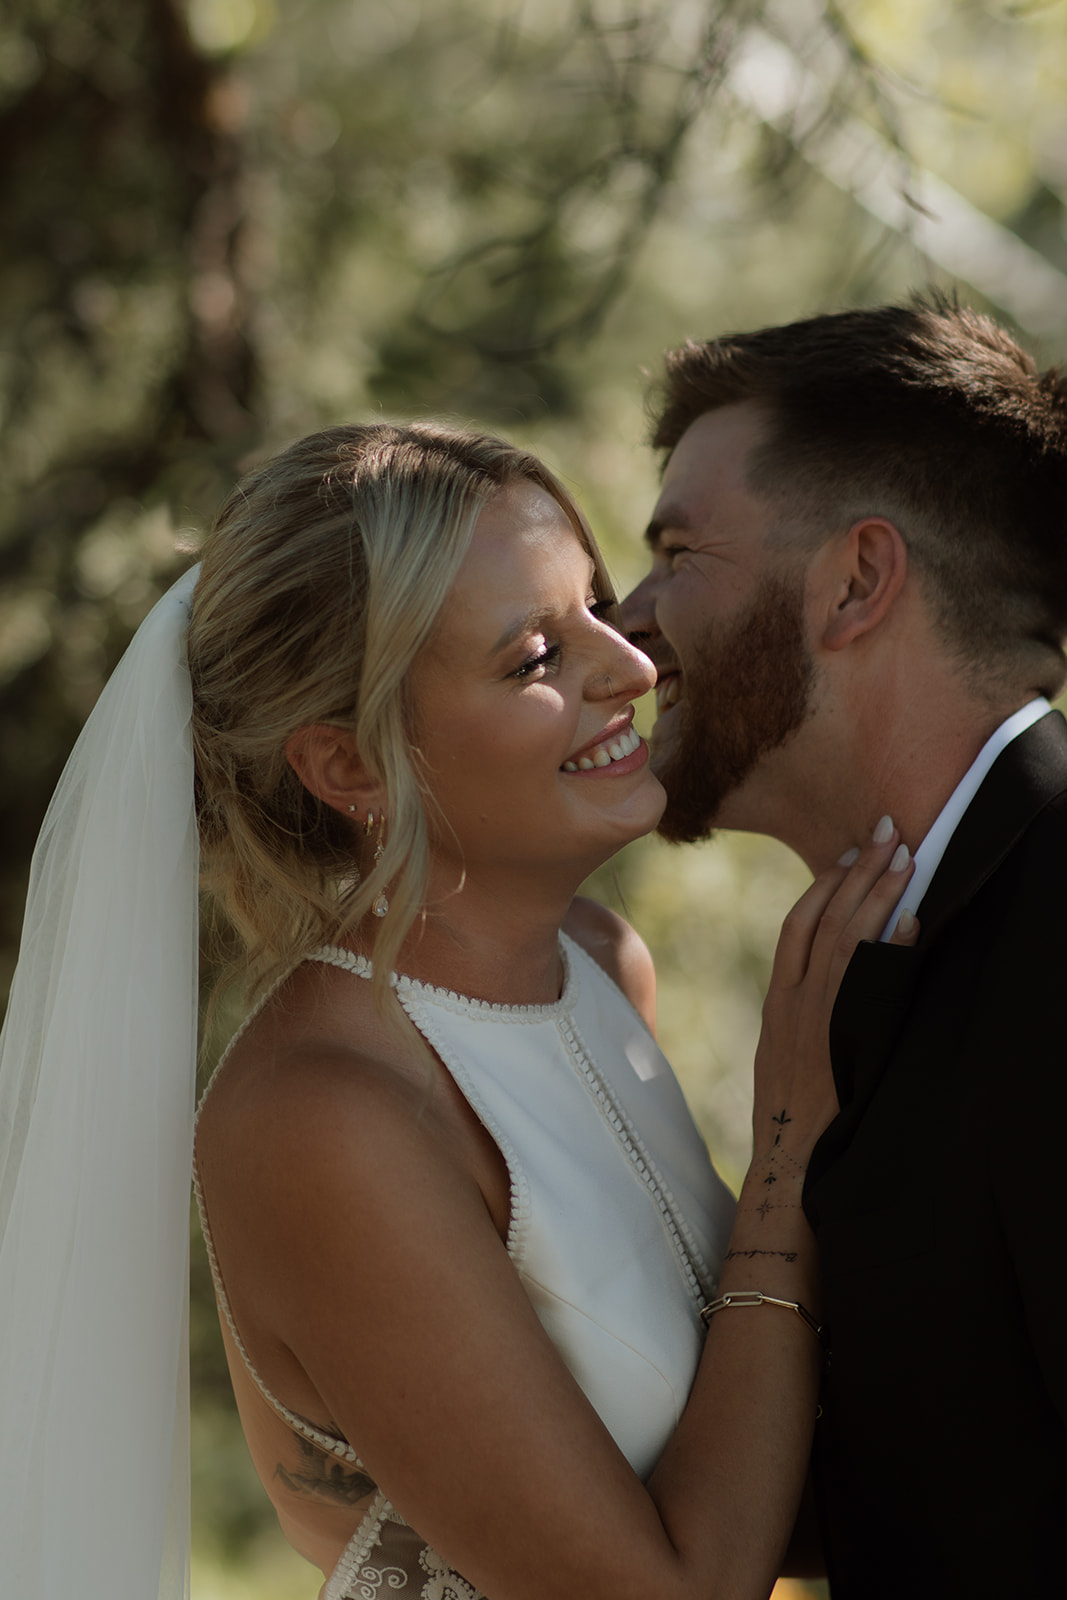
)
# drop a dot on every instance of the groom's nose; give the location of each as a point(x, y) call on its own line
point(638, 611)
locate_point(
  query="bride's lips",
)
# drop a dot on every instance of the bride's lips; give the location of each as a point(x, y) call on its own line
point(619, 749)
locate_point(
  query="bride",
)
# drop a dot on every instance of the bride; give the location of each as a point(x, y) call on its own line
point(495, 1327)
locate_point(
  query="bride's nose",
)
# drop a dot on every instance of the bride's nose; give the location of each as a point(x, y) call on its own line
point(622, 671)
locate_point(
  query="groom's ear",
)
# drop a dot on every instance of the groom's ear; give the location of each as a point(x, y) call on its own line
point(867, 569)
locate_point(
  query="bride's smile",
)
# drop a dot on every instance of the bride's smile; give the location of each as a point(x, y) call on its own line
point(524, 702)
point(610, 749)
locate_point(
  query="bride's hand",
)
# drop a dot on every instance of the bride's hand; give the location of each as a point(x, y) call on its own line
point(794, 1087)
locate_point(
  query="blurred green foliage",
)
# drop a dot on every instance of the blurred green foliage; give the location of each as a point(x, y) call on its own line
point(226, 222)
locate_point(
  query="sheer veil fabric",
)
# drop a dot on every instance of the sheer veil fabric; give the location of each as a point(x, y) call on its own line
point(97, 1088)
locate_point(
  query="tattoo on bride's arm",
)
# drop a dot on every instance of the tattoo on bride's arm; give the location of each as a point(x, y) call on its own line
point(796, 1165)
point(326, 1478)
point(779, 1164)
point(748, 1255)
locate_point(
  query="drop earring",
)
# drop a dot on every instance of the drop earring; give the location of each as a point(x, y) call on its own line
point(353, 879)
point(381, 903)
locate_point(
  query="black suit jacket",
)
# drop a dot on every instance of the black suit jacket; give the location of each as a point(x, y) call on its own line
point(939, 1200)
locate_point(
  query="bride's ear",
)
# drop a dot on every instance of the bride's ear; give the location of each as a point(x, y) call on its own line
point(328, 764)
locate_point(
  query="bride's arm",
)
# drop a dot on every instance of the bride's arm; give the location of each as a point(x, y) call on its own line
point(368, 1257)
point(757, 1383)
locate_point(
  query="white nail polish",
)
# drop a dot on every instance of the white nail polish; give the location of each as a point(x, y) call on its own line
point(849, 856)
point(901, 857)
point(884, 831)
point(905, 923)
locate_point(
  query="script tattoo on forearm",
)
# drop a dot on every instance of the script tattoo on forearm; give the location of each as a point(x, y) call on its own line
point(748, 1255)
point(326, 1478)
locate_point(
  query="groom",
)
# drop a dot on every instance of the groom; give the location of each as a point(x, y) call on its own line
point(856, 603)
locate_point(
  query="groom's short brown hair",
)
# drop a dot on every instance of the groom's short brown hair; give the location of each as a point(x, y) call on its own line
point(929, 414)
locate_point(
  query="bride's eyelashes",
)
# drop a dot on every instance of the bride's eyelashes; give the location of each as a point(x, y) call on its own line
point(547, 657)
point(602, 610)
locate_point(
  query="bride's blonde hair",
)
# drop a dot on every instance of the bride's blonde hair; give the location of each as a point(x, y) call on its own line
point(321, 581)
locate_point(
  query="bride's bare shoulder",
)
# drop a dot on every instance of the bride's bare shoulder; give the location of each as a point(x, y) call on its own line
point(619, 949)
point(311, 1050)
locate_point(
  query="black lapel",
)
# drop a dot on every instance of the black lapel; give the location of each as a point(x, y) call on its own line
point(875, 996)
point(1019, 784)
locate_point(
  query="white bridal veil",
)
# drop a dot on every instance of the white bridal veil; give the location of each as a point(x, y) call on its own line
point(97, 1070)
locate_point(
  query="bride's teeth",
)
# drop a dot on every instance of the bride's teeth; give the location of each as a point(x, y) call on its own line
point(605, 754)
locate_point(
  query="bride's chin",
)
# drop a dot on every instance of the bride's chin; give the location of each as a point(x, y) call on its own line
point(657, 797)
point(642, 814)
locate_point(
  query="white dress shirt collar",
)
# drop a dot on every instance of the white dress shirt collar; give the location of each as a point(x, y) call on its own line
point(928, 855)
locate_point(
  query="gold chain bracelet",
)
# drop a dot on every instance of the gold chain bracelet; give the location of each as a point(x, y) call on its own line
point(756, 1297)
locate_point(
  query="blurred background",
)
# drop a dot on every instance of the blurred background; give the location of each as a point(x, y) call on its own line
point(226, 222)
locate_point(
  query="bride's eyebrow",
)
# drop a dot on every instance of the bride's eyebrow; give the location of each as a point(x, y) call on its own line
point(528, 624)
point(533, 620)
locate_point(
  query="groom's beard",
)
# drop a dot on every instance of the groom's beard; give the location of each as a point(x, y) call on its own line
point(748, 690)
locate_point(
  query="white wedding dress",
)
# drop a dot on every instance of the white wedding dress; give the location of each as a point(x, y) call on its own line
point(618, 1225)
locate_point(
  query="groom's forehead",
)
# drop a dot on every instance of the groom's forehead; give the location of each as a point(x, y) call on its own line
point(710, 461)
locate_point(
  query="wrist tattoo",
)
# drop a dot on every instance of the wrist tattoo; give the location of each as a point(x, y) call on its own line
point(793, 1162)
point(775, 1164)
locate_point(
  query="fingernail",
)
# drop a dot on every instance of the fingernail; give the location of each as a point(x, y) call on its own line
point(884, 831)
point(849, 856)
point(905, 923)
point(901, 857)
